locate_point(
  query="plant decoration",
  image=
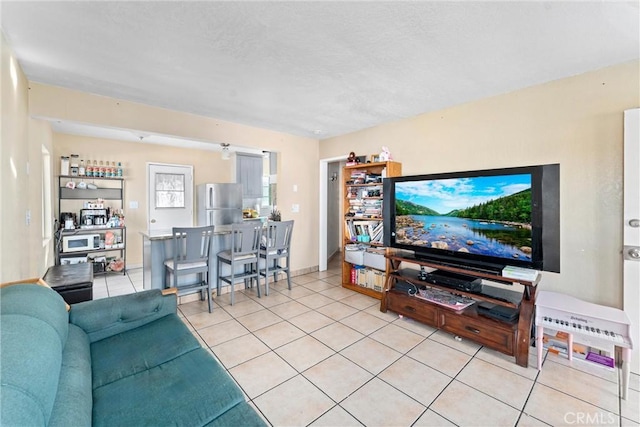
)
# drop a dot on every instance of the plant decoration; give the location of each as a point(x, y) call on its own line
point(275, 215)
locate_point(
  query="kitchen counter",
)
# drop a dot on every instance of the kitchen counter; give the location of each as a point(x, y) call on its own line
point(167, 234)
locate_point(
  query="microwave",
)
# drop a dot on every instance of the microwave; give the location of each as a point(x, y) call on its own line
point(80, 243)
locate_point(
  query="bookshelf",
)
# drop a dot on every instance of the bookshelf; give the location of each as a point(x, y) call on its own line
point(363, 254)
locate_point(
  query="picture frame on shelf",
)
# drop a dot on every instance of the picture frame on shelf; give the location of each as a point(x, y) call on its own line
point(375, 158)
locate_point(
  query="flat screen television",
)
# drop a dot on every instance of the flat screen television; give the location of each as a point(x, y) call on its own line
point(483, 219)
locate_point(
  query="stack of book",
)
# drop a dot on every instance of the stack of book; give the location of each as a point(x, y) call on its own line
point(368, 278)
point(371, 229)
point(358, 176)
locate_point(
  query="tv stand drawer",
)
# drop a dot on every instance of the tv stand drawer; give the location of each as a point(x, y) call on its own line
point(413, 308)
point(484, 332)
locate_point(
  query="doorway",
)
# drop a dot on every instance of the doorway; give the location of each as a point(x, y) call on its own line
point(169, 196)
point(326, 216)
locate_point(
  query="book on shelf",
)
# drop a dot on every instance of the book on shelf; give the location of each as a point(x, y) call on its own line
point(367, 278)
point(356, 226)
point(558, 344)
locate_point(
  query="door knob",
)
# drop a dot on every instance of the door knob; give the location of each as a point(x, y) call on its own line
point(634, 253)
point(635, 223)
point(153, 221)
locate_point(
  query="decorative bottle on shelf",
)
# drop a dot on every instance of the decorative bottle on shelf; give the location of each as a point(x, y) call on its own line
point(102, 170)
point(81, 169)
point(89, 168)
point(120, 171)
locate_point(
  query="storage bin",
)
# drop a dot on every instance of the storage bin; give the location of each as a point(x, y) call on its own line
point(354, 257)
point(375, 260)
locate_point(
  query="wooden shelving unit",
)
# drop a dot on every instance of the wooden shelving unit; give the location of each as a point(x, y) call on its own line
point(363, 219)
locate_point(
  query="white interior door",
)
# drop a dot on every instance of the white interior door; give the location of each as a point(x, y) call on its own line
point(631, 227)
point(169, 196)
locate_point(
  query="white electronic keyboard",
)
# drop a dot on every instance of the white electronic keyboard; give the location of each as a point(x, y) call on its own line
point(597, 325)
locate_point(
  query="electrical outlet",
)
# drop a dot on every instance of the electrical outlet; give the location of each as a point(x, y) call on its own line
point(27, 218)
point(295, 208)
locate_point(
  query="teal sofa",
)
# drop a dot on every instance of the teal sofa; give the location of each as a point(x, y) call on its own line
point(120, 361)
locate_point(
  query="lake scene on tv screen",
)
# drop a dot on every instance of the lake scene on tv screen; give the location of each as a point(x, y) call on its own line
point(486, 215)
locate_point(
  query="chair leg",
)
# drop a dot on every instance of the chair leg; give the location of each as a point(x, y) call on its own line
point(257, 277)
point(208, 289)
point(218, 284)
point(275, 270)
point(233, 282)
point(266, 276)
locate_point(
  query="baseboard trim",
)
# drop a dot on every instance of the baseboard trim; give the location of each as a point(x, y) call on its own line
point(240, 286)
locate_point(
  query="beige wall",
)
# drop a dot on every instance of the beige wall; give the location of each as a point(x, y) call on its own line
point(577, 122)
point(297, 156)
point(23, 253)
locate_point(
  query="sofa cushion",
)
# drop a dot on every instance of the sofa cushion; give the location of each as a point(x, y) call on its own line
point(110, 316)
point(190, 390)
point(136, 350)
point(33, 328)
point(74, 400)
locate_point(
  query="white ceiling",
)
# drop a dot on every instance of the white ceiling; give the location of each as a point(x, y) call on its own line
point(314, 68)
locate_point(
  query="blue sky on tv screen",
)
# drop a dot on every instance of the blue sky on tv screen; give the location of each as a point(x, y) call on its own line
point(445, 195)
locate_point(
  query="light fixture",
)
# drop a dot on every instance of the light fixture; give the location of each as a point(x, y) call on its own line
point(141, 135)
point(225, 151)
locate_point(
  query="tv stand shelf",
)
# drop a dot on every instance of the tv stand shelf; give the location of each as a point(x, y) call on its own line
point(511, 338)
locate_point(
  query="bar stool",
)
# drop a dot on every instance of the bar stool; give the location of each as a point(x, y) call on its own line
point(240, 262)
point(191, 252)
point(275, 251)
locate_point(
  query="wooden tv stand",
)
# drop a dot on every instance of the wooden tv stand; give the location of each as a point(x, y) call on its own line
point(511, 338)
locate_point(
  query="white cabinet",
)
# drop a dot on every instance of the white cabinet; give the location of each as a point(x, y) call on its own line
point(249, 174)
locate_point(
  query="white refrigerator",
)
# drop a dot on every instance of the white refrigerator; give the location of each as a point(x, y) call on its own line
point(219, 205)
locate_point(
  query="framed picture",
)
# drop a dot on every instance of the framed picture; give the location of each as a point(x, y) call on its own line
point(374, 158)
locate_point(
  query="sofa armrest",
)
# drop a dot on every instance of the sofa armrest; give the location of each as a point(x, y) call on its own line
point(34, 280)
point(103, 318)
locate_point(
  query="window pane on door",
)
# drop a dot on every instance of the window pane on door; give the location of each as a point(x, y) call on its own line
point(170, 190)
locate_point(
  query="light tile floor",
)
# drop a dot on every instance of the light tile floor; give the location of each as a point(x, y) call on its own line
point(322, 355)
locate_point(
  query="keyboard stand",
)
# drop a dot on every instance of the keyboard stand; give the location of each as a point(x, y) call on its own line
point(612, 326)
point(622, 357)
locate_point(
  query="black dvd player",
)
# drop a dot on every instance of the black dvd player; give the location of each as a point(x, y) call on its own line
point(460, 282)
point(506, 314)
